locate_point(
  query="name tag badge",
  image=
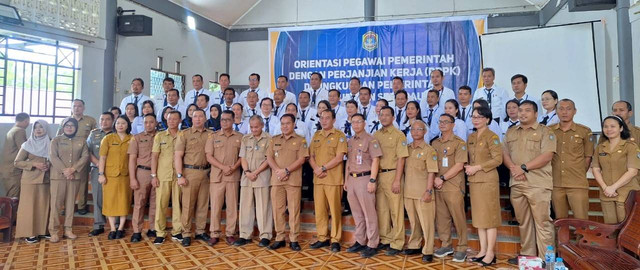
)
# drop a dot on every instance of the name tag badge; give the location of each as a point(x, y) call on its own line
point(445, 162)
point(276, 154)
point(359, 158)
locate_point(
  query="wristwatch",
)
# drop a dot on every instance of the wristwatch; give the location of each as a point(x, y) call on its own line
point(430, 191)
point(153, 175)
point(179, 175)
point(100, 173)
point(372, 180)
point(287, 171)
point(524, 168)
point(324, 169)
point(248, 171)
point(442, 178)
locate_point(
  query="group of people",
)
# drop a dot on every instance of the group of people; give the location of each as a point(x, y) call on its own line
point(255, 151)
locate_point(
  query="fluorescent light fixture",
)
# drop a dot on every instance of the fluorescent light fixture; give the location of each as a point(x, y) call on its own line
point(191, 22)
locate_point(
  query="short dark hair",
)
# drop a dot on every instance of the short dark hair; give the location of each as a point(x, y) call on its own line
point(435, 92)
point(199, 110)
point(138, 79)
point(524, 78)
point(506, 105)
point(333, 113)
point(224, 75)
point(567, 100)
point(485, 112)
point(398, 78)
point(233, 115)
point(234, 104)
point(198, 75)
point(77, 99)
point(293, 118)
point(169, 79)
point(334, 90)
point(453, 119)
point(553, 94)
point(351, 102)
point(206, 97)
point(177, 92)
point(255, 74)
point(291, 104)
point(401, 92)
point(175, 112)
point(285, 77)
point(365, 88)
point(280, 89)
point(386, 102)
point(358, 115)
point(150, 115)
point(629, 107)
point(393, 113)
point(267, 98)
point(438, 70)
point(304, 92)
point(22, 116)
point(355, 78)
point(481, 102)
point(465, 87)
point(110, 114)
point(128, 131)
point(489, 69)
point(117, 109)
point(529, 102)
point(624, 134)
point(316, 73)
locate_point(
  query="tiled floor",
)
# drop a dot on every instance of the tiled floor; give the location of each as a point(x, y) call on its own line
point(100, 253)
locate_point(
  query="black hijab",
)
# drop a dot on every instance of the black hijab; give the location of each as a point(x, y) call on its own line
point(214, 123)
point(74, 122)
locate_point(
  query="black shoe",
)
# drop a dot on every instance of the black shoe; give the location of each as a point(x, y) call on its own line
point(277, 245)
point(48, 236)
point(186, 241)
point(346, 212)
point(335, 247)
point(32, 240)
point(96, 232)
point(294, 246)
point(411, 251)
point(368, 252)
point(240, 242)
point(513, 223)
point(136, 237)
point(355, 247)
point(392, 252)
point(513, 260)
point(264, 242)
point(112, 235)
point(158, 241)
point(320, 244)
point(119, 234)
point(151, 233)
point(427, 258)
point(177, 237)
point(62, 213)
point(484, 264)
point(382, 246)
point(204, 237)
point(82, 211)
point(476, 259)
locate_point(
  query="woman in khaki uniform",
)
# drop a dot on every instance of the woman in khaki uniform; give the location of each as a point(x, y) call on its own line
point(485, 155)
point(113, 172)
point(33, 159)
point(615, 164)
point(69, 155)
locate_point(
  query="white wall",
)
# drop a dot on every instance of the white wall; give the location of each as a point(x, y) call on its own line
point(198, 52)
point(635, 29)
point(249, 57)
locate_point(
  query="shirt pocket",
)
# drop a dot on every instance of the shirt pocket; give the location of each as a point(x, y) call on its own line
point(576, 144)
point(533, 143)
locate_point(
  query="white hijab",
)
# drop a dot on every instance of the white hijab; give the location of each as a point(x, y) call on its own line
point(38, 146)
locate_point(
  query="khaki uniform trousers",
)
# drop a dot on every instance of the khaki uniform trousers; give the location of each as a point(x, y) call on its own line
point(576, 198)
point(613, 211)
point(450, 207)
point(63, 194)
point(145, 193)
point(390, 211)
point(363, 209)
point(12, 185)
point(422, 217)
point(195, 201)
point(283, 196)
point(164, 191)
point(224, 193)
point(83, 187)
point(533, 213)
point(327, 200)
point(258, 210)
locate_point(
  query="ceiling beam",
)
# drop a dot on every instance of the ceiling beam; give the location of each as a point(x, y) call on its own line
point(551, 9)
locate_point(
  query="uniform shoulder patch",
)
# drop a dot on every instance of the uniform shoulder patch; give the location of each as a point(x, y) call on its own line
point(341, 139)
point(496, 141)
point(404, 143)
point(551, 137)
point(464, 148)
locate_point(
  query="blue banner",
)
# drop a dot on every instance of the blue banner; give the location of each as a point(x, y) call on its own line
point(376, 52)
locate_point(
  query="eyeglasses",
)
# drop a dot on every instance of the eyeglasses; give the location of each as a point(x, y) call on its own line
point(445, 122)
point(69, 126)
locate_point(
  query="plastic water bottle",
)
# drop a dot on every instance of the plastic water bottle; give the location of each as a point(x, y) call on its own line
point(549, 258)
point(559, 265)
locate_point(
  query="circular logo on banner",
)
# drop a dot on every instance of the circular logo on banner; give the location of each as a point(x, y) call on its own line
point(370, 41)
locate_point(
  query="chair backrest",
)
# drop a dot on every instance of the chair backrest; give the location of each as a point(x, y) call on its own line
point(629, 237)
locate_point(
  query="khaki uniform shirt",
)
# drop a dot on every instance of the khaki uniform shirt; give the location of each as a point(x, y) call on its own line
point(422, 160)
point(12, 143)
point(572, 149)
point(85, 125)
point(67, 153)
point(455, 150)
point(30, 175)
point(485, 150)
point(254, 151)
point(163, 143)
point(365, 146)
point(394, 146)
point(93, 142)
point(523, 145)
point(140, 146)
point(191, 141)
point(326, 145)
point(614, 164)
point(635, 134)
point(115, 149)
point(225, 148)
point(286, 150)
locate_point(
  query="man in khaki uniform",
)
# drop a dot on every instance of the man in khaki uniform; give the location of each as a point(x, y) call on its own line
point(140, 177)
point(85, 125)
point(191, 159)
point(450, 188)
point(363, 160)
point(420, 169)
point(93, 142)
point(624, 110)
point(255, 184)
point(222, 149)
point(389, 195)
point(570, 163)
point(9, 174)
point(286, 154)
point(528, 150)
point(164, 180)
point(327, 150)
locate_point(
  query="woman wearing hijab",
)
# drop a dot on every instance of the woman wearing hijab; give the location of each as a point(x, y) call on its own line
point(33, 159)
point(113, 174)
point(214, 121)
point(69, 155)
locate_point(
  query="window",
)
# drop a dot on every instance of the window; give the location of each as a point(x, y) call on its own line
point(37, 78)
point(157, 76)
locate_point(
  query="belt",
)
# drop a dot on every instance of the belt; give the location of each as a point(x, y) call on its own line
point(356, 175)
point(205, 167)
point(144, 167)
point(386, 170)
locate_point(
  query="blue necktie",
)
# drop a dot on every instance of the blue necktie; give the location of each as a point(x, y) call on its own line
point(267, 124)
point(399, 116)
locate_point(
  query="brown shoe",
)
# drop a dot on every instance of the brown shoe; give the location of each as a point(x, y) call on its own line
point(54, 238)
point(230, 240)
point(70, 235)
point(213, 241)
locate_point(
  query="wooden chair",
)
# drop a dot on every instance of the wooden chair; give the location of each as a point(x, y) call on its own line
point(8, 209)
point(602, 246)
